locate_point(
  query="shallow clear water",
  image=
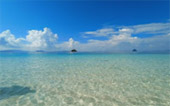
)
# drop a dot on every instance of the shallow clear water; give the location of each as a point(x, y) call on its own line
point(84, 79)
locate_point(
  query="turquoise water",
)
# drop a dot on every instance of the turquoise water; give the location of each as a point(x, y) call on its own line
point(84, 79)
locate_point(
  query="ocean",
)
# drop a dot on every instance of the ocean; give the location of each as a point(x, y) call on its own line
point(84, 79)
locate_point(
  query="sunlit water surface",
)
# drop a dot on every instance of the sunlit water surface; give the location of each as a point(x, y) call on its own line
point(84, 79)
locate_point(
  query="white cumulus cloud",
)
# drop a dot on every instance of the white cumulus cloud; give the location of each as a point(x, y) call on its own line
point(35, 40)
point(41, 39)
point(8, 40)
point(68, 45)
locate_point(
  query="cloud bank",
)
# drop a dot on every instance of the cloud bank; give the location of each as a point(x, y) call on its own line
point(119, 39)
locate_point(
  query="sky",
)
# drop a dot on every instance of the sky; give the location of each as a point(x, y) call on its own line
point(106, 26)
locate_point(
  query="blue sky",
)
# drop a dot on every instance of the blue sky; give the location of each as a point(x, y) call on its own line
point(72, 19)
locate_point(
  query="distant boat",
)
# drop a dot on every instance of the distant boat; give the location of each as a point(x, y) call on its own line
point(73, 50)
point(134, 50)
